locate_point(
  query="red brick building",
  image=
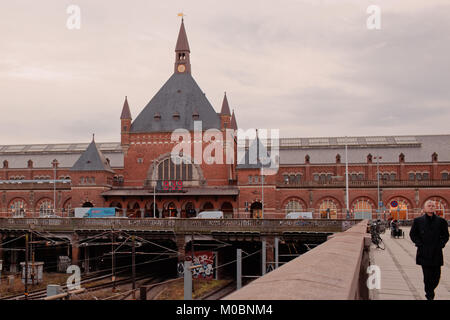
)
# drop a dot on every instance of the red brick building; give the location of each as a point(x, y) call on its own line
point(138, 177)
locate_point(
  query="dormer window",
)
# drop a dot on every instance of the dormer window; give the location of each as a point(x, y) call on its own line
point(157, 116)
point(195, 115)
point(176, 115)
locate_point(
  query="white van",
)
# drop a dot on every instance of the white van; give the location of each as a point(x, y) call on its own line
point(299, 215)
point(210, 215)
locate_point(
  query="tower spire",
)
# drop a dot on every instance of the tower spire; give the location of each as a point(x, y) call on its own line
point(225, 107)
point(233, 121)
point(126, 114)
point(182, 51)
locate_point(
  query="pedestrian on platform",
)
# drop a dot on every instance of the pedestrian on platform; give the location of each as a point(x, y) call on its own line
point(430, 234)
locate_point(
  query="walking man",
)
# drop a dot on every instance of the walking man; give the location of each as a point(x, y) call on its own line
point(430, 234)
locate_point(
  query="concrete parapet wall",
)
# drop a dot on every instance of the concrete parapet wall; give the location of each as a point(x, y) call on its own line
point(335, 270)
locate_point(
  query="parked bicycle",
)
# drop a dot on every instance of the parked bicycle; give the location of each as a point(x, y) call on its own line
point(375, 236)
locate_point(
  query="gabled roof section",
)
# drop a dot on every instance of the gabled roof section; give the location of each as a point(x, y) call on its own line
point(92, 160)
point(180, 94)
point(225, 107)
point(182, 41)
point(126, 114)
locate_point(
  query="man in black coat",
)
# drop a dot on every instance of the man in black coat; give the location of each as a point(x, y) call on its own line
point(430, 234)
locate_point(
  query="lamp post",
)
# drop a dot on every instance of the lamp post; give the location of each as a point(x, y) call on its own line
point(262, 192)
point(346, 180)
point(154, 188)
point(55, 162)
point(378, 185)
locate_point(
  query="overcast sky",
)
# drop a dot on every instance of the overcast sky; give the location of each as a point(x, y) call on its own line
point(308, 68)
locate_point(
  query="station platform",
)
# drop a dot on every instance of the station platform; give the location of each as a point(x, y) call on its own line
point(401, 277)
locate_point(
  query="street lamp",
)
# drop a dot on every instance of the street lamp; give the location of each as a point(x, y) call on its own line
point(378, 184)
point(55, 163)
point(154, 188)
point(346, 179)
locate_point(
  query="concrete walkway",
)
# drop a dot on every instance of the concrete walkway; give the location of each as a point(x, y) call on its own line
point(401, 278)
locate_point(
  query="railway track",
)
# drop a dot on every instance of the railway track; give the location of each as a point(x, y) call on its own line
point(42, 293)
point(34, 293)
point(220, 292)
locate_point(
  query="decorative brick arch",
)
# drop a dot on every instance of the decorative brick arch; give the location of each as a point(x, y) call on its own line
point(336, 201)
point(330, 199)
point(400, 213)
point(14, 210)
point(40, 202)
point(363, 213)
point(364, 198)
point(202, 207)
point(293, 198)
point(154, 165)
point(116, 204)
point(192, 212)
point(227, 208)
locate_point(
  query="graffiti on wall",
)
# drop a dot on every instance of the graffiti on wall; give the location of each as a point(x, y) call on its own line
point(205, 262)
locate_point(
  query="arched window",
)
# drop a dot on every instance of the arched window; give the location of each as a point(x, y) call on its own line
point(293, 206)
point(291, 179)
point(362, 209)
point(46, 208)
point(190, 210)
point(328, 209)
point(400, 211)
point(227, 209)
point(18, 208)
point(167, 170)
point(256, 210)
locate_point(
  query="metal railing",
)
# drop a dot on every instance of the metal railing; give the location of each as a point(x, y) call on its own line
point(178, 226)
point(365, 183)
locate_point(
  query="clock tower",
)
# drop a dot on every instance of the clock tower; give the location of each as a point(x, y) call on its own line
point(182, 52)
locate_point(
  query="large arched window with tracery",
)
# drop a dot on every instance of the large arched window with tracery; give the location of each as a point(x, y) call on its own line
point(46, 208)
point(328, 209)
point(398, 208)
point(18, 208)
point(168, 170)
point(362, 209)
point(293, 206)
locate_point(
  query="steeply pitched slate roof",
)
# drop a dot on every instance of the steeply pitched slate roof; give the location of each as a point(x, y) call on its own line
point(182, 41)
point(233, 122)
point(225, 107)
point(179, 94)
point(126, 114)
point(92, 160)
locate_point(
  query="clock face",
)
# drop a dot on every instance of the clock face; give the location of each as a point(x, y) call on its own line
point(181, 68)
